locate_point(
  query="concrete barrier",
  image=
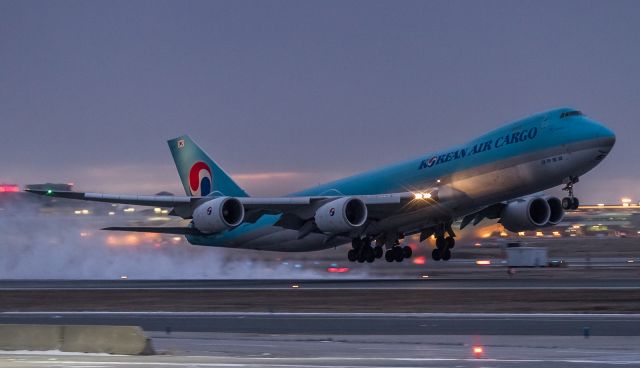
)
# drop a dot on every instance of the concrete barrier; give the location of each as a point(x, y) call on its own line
point(30, 337)
point(127, 340)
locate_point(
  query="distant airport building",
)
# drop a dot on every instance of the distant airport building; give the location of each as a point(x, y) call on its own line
point(603, 220)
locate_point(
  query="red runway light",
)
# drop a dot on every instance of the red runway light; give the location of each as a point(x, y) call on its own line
point(9, 188)
point(478, 351)
point(420, 260)
point(338, 269)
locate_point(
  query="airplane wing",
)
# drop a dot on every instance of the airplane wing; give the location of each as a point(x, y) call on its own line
point(255, 207)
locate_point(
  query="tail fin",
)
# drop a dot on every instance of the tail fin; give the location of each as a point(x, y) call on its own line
point(200, 175)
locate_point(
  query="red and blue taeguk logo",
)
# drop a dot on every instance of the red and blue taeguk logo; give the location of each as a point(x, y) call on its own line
point(200, 180)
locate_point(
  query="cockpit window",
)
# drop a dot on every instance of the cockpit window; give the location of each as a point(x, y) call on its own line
point(571, 113)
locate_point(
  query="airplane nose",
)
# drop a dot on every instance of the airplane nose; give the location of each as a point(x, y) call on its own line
point(605, 135)
point(608, 136)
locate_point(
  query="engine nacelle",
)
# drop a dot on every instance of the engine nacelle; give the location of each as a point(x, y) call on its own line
point(218, 214)
point(557, 212)
point(341, 215)
point(526, 214)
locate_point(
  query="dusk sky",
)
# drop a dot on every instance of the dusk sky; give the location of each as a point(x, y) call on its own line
point(288, 94)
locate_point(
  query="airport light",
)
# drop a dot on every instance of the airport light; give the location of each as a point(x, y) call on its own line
point(478, 351)
point(420, 260)
point(483, 262)
point(49, 192)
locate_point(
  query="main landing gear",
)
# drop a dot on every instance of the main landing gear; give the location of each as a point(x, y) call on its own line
point(398, 253)
point(443, 248)
point(445, 241)
point(570, 202)
point(362, 251)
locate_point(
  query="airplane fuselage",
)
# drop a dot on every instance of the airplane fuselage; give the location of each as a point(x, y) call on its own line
point(521, 158)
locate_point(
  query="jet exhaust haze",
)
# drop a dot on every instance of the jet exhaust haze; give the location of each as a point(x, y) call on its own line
point(37, 246)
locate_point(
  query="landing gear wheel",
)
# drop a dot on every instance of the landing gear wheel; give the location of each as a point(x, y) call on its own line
point(447, 255)
point(352, 255)
point(369, 254)
point(451, 242)
point(388, 256)
point(575, 203)
point(435, 254)
point(371, 258)
point(407, 252)
point(570, 202)
point(377, 251)
point(397, 254)
point(441, 242)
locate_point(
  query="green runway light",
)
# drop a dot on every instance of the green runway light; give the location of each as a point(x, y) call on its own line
point(49, 192)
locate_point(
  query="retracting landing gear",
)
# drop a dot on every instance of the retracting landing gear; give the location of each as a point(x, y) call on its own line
point(444, 244)
point(570, 202)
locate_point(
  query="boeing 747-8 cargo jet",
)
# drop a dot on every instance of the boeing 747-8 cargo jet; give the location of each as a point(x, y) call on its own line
point(499, 175)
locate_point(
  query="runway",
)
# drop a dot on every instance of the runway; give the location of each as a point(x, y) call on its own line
point(425, 282)
point(311, 323)
point(350, 323)
point(425, 295)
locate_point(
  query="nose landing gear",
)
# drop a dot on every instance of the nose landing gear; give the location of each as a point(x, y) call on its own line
point(570, 202)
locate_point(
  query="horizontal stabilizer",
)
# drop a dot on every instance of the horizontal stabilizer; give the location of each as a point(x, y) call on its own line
point(156, 229)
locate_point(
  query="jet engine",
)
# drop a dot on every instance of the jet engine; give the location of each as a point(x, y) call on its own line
point(556, 211)
point(218, 214)
point(341, 215)
point(526, 214)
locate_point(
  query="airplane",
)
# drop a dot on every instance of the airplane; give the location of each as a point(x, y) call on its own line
point(499, 175)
